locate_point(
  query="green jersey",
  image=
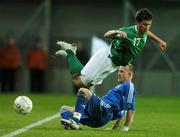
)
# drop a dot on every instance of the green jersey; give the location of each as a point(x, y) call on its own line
point(123, 50)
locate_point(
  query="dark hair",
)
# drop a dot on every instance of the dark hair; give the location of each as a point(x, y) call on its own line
point(143, 14)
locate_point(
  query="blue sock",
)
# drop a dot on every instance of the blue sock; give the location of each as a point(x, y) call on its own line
point(65, 114)
point(81, 103)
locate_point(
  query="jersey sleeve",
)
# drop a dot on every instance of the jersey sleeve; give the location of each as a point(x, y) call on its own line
point(130, 97)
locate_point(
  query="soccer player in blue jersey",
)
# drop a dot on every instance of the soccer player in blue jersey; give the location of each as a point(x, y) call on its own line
point(95, 112)
point(126, 44)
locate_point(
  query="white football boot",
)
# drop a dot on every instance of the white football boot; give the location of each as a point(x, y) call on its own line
point(66, 123)
point(74, 125)
point(61, 52)
point(71, 123)
point(65, 46)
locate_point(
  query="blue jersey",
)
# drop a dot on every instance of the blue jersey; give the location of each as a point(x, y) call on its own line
point(120, 99)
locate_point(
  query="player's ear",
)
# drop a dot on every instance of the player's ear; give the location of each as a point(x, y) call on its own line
point(130, 74)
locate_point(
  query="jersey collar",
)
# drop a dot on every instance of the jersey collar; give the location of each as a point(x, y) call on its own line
point(137, 32)
point(136, 28)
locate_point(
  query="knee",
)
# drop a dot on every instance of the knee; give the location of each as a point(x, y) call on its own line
point(85, 92)
point(82, 91)
point(66, 108)
point(65, 112)
point(63, 108)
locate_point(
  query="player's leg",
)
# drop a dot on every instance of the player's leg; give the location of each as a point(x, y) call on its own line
point(97, 68)
point(92, 113)
point(99, 114)
point(74, 64)
point(75, 67)
point(83, 97)
point(66, 112)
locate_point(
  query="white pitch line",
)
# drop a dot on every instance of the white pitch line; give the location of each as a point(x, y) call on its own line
point(26, 128)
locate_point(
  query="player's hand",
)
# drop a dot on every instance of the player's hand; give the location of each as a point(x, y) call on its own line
point(125, 129)
point(122, 34)
point(115, 32)
point(162, 45)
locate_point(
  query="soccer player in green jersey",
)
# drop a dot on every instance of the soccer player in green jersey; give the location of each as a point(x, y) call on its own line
point(126, 43)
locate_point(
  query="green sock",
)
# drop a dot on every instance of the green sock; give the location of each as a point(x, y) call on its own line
point(75, 65)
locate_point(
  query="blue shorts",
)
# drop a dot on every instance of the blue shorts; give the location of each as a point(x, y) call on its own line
point(94, 114)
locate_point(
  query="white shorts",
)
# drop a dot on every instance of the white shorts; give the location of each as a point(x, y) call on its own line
point(98, 67)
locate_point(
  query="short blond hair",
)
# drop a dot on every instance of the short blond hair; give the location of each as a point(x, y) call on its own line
point(130, 68)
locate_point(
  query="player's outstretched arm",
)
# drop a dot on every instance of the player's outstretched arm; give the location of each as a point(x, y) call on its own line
point(112, 33)
point(129, 119)
point(162, 44)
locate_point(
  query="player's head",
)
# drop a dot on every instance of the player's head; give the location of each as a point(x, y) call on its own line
point(144, 20)
point(125, 73)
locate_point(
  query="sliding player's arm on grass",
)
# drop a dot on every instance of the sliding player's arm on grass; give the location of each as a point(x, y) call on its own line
point(162, 44)
point(129, 119)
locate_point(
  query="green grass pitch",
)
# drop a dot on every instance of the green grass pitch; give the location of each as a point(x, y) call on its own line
point(155, 117)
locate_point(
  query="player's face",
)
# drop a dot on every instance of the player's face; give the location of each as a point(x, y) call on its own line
point(144, 26)
point(123, 74)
